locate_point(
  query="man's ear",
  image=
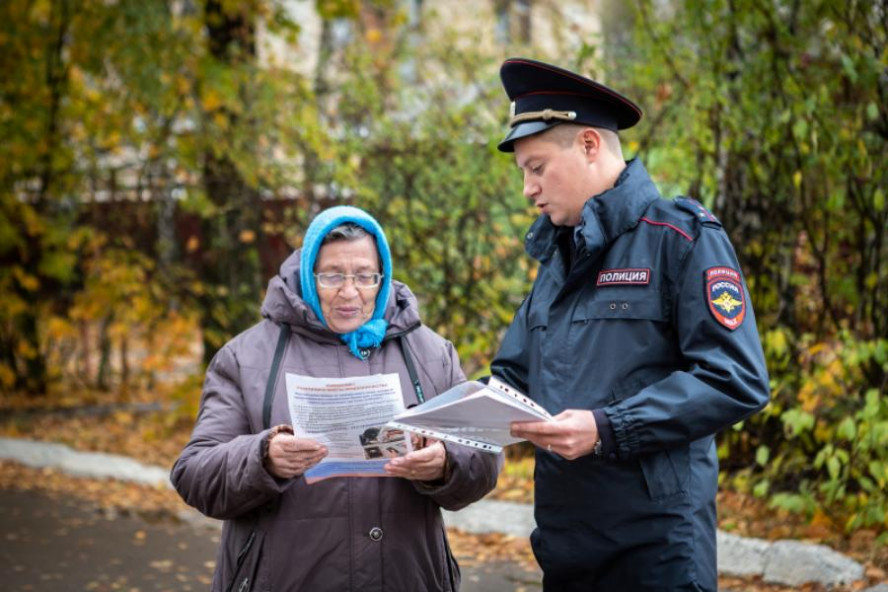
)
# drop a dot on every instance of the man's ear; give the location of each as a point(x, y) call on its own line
point(591, 141)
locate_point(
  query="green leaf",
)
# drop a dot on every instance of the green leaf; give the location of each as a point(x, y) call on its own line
point(796, 421)
point(790, 502)
point(867, 484)
point(878, 470)
point(761, 489)
point(833, 467)
point(762, 455)
point(847, 429)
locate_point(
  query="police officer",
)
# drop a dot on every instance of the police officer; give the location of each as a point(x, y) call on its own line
point(638, 335)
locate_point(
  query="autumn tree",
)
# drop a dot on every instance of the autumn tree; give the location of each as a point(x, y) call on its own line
point(774, 114)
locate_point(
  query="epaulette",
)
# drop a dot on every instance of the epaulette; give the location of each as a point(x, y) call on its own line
point(697, 209)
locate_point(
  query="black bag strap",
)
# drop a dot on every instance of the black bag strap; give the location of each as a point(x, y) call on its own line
point(411, 369)
point(283, 338)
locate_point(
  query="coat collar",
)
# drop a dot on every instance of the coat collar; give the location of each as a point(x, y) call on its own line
point(605, 216)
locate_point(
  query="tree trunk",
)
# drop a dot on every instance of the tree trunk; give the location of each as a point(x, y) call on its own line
point(104, 371)
point(35, 378)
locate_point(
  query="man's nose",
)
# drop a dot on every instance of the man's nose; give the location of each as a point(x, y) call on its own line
point(531, 188)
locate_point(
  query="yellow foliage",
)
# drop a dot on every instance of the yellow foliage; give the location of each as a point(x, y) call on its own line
point(808, 399)
point(26, 350)
point(820, 518)
point(374, 35)
point(221, 121)
point(12, 306)
point(58, 328)
point(27, 281)
point(823, 431)
point(211, 100)
point(183, 84)
point(123, 418)
point(775, 341)
point(7, 376)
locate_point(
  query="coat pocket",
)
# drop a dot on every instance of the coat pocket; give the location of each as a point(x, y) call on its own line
point(666, 473)
point(246, 566)
point(621, 307)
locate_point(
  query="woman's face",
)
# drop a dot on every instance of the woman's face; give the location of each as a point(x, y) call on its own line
point(348, 307)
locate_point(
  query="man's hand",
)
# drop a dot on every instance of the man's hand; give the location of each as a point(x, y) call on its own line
point(573, 433)
point(425, 464)
point(289, 456)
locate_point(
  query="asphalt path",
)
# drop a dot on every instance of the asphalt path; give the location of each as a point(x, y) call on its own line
point(65, 545)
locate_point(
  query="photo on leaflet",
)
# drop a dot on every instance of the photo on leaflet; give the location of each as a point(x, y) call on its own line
point(382, 442)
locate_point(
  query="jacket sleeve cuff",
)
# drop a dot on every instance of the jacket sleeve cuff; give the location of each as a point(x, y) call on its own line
point(437, 485)
point(268, 480)
point(623, 429)
point(470, 475)
point(605, 434)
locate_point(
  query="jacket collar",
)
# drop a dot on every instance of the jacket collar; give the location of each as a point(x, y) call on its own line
point(605, 216)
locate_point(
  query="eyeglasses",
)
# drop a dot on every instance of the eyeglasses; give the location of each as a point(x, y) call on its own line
point(337, 280)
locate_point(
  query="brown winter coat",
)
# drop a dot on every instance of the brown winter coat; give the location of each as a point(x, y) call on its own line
point(295, 536)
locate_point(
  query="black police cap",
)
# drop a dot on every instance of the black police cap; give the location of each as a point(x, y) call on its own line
point(544, 96)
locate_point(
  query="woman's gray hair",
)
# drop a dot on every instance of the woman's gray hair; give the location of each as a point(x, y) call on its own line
point(348, 231)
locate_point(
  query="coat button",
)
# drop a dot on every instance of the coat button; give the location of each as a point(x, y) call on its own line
point(375, 533)
point(365, 353)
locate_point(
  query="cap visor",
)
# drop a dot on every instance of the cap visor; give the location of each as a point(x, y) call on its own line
point(522, 130)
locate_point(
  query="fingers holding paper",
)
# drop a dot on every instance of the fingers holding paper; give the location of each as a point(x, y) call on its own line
point(424, 464)
point(289, 456)
point(573, 433)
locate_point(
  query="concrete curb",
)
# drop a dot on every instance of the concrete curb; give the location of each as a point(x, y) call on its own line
point(791, 563)
point(82, 464)
point(780, 562)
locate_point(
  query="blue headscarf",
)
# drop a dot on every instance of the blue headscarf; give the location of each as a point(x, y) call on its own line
point(369, 334)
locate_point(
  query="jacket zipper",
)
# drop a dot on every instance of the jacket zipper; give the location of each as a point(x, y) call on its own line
point(240, 563)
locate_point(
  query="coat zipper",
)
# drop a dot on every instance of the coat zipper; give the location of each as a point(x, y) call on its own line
point(240, 563)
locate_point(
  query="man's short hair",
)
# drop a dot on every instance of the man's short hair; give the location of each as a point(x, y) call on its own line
point(565, 134)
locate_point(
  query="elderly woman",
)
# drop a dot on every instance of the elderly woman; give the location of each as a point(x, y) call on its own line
point(334, 311)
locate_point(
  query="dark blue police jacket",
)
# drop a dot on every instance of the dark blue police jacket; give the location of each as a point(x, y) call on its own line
point(652, 325)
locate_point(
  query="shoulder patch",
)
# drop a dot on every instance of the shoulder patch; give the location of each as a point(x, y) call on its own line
point(725, 295)
point(697, 209)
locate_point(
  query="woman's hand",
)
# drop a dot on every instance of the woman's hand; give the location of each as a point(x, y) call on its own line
point(289, 456)
point(425, 464)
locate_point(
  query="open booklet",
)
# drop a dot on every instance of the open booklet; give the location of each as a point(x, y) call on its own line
point(349, 417)
point(472, 414)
